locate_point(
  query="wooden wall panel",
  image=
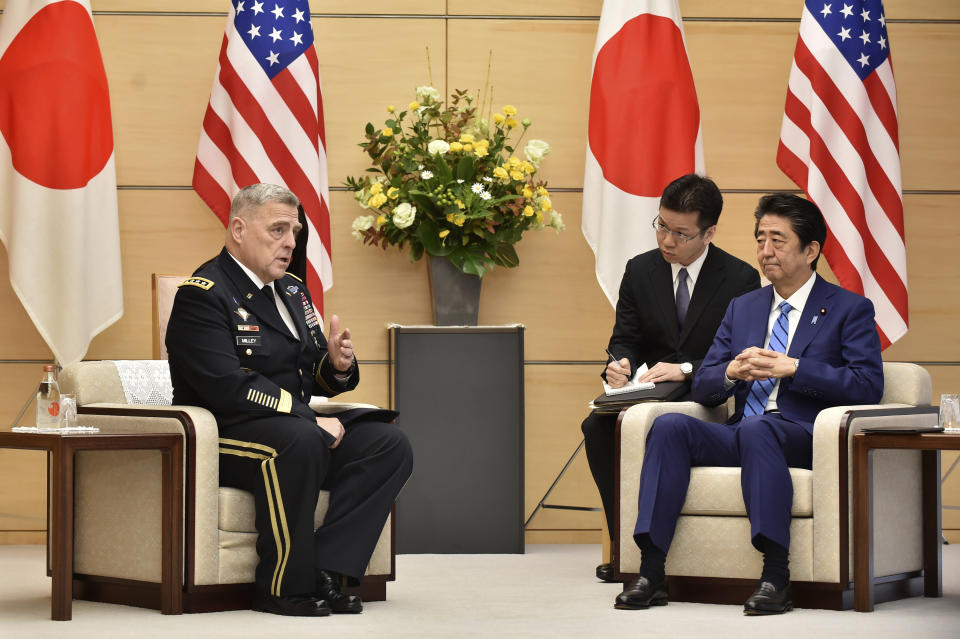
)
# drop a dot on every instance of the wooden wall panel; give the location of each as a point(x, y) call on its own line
point(23, 473)
point(540, 67)
point(366, 64)
point(896, 9)
point(160, 70)
point(556, 404)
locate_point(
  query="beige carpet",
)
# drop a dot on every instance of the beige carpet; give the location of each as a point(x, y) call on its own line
point(548, 592)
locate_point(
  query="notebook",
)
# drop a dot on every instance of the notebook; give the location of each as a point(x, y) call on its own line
point(631, 385)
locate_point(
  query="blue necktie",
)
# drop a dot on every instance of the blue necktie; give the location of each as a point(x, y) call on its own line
point(760, 389)
point(683, 297)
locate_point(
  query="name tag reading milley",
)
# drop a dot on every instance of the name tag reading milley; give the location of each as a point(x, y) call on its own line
point(248, 340)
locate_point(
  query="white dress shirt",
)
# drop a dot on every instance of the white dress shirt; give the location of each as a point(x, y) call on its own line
point(797, 301)
point(693, 271)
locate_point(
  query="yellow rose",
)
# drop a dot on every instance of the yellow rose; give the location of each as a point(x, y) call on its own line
point(528, 210)
point(500, 172)
point(375, 188)
point(546, 204)
point(456, 147)
point(413, 106)
point(480, 151)
point(510, 110)
point(527, 192)
point(466, 138)
point(539, 217)
point(392, 192)
point(468, 147)
point(444, 233)
point(542, 191)
point(390, 108)
point(511, 123)
point(387, 132)
point(513, 161)
point(516, 175)
point(460, 204)
point(378, 200)
point(380, 220)
point(482, 142)
point(527, 167)
point(459, 219)
point(449, 217)
point(498, 118)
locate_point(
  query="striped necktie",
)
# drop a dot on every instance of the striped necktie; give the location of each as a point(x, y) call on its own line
point(760, 389)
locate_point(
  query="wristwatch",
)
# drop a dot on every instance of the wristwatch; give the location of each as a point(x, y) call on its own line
point(687, 369)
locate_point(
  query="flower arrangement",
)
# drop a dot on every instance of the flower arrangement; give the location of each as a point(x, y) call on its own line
point(446, 182)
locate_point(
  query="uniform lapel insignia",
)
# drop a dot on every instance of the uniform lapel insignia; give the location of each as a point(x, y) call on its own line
point(249, 328)
point(243, 313)
point(292, 289)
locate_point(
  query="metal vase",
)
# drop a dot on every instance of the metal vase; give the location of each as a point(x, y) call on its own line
point(455, 294)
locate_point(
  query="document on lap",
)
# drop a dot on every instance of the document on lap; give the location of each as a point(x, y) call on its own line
point(632, 385)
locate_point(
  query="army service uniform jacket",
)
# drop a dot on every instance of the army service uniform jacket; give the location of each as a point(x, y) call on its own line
point(231, 352)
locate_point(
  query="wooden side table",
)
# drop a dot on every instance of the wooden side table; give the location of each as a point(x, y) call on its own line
point(863, 444)
point(62, 449)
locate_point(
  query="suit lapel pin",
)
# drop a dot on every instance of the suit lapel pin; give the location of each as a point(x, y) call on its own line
point(823, 311)
point(249, 296)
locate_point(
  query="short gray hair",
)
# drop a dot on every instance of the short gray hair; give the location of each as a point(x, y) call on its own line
point(256, 195)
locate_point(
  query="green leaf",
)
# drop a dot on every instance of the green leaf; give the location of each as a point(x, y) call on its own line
point(416, 251)
point(369, 129)
point(443, 171)
point(507, 255)
point(465, 168)
point(423, 203)
point(429, 235)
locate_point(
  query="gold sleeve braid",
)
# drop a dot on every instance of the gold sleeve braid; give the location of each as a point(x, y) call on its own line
point(281, 404)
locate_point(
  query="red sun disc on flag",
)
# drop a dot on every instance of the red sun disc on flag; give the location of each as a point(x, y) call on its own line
point(54, 103)
point(644, 116)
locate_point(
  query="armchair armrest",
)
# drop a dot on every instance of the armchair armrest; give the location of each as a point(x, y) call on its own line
point(897, 481)
point(201, 469)
point(635, 423)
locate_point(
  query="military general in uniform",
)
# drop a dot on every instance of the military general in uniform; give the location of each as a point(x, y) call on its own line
point(245, 342)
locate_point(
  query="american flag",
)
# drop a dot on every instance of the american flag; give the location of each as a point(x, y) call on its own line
point(264, 122)
point(839, 143)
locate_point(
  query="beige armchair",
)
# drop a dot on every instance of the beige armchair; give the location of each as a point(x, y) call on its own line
point(712, 559)
point(117, 530)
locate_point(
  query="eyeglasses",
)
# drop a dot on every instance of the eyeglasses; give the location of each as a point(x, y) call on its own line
point(683, 238)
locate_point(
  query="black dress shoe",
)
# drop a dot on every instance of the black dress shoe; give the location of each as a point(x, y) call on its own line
point(291, 605)
point(328, 588)
point(605, 573)
point(641, 594)
point(768, 600)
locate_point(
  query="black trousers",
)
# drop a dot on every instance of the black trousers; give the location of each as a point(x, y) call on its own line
point(599, 433)
point(285, 462)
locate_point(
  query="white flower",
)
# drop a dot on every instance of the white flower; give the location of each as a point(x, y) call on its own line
point(362, 223)
point(426, 93)
point(459, 181)
point(477, 188)
point(487, 178)
point(437, 147)
point(556, 221)
point(535, 151)
point(485, 195)
point(426, 175)
point(403, 215)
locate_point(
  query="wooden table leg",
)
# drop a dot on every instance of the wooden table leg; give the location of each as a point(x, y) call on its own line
point(171, 588)
point(61, 534)
point(932, 548)
point(862, 526)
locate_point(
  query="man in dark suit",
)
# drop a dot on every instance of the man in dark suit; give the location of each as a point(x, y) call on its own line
point(245, 342)
point(670, 305)
point(786, 352)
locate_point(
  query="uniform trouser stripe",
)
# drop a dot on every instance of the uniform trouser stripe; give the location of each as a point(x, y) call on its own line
point(271, 484)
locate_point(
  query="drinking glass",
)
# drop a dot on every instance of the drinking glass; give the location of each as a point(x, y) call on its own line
point(68, 410)
point(950, 412)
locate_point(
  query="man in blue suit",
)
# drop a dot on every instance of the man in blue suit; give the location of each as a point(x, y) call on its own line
point(785, 352)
